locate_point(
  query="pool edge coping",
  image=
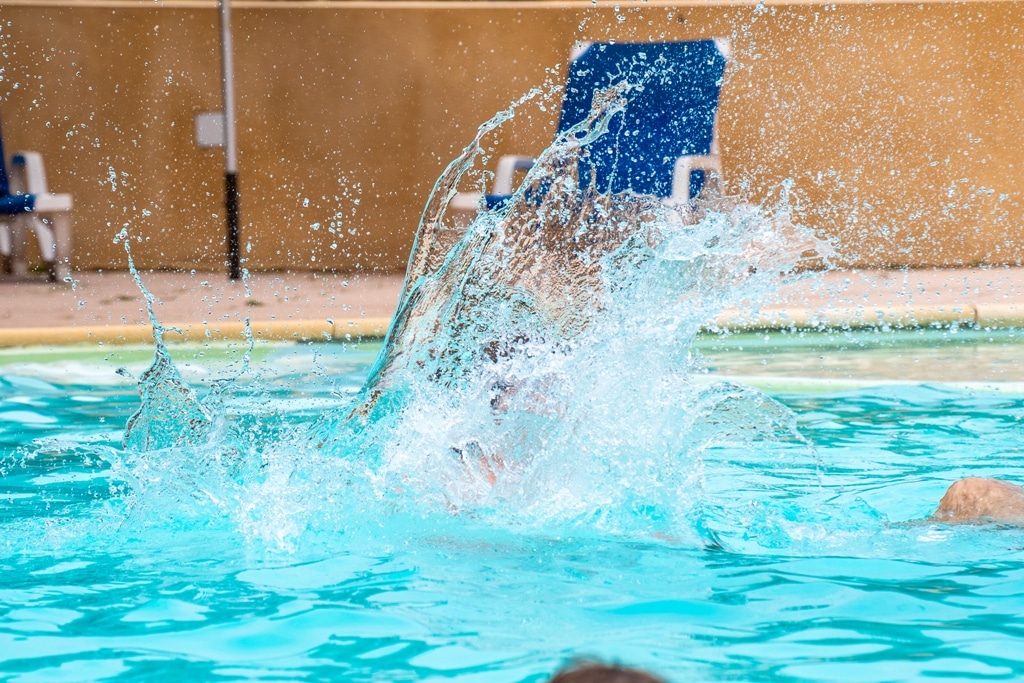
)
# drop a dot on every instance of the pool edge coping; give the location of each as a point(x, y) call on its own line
point(227, 331)
point(884, 317)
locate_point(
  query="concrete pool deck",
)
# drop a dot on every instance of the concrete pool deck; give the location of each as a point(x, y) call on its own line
point(108, 308)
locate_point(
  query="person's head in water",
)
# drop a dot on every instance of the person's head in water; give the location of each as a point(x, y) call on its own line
point(596, 672)
point(975, 500)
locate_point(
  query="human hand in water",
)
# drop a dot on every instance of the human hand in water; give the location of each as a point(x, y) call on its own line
point(977, 499)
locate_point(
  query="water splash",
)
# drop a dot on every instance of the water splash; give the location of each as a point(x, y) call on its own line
point(171, 414)
point(539, 364)
point(538, 372)
point(187, 457)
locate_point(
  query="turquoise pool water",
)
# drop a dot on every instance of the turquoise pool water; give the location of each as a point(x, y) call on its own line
point(268, 559)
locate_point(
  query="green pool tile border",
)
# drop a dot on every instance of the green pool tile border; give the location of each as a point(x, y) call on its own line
point(994, 316)
point(987, 315)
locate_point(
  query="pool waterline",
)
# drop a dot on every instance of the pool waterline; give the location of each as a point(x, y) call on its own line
point(856, 355)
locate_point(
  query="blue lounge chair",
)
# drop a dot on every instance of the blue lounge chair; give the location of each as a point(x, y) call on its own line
point(25, 203)
point(536, 274)
point(664, 144)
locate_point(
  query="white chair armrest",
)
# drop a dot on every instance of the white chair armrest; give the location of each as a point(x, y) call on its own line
point(710, 163)
point(46, 203)
point(507, 167)
point(465, 201)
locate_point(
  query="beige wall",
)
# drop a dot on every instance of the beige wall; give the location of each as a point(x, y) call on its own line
point(897, 123)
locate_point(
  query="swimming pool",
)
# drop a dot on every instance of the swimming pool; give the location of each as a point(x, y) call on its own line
point(542, 460)
point(798, 564)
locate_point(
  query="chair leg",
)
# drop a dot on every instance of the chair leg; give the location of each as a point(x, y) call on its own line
point(47, 243)
point(17, 258)
point(53, 233)
point(44, 235)
point(61, 269)
point(5, 246)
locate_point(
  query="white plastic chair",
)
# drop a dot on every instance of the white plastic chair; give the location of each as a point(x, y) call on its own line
point(27, 204)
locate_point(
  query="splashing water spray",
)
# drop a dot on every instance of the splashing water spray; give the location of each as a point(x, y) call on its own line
point(539, 363)
point(538, 369)
point(170, 414)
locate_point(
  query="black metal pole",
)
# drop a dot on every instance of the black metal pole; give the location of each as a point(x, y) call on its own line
point(231, 204)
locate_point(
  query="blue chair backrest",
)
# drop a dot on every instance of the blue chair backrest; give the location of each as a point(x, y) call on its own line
point(672, 115)
point(5, 186)
point(11, 204)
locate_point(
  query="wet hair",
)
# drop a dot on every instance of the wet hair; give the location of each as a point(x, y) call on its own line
point(596, 672)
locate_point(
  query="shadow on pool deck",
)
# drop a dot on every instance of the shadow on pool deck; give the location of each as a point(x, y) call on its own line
point(108, 307)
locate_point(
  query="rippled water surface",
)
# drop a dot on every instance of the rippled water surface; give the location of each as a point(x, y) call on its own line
point(796, 562)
